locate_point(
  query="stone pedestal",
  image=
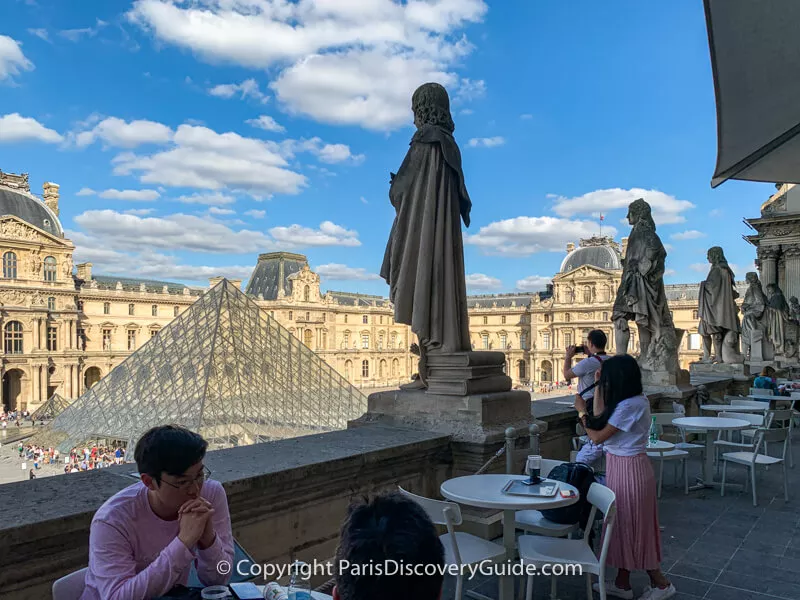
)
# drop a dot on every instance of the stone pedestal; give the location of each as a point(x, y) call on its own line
point(466, 373)
point(476, 423)
point(665, 382)
point(721, 369)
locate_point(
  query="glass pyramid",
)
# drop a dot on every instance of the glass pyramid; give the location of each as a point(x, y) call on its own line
point(52, 408)
point(225, 369)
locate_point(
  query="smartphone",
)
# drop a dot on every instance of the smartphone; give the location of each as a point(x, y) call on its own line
point(567, 494)
point(246, 591)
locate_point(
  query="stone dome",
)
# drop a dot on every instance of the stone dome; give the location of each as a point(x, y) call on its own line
point(29, 208)
point(601, 252)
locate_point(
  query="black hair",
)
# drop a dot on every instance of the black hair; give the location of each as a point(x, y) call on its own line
point(391, 527)
point(168, 449)
point(620, 379)
point(597, 338)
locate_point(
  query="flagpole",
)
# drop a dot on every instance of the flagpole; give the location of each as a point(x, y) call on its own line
point(601, 224)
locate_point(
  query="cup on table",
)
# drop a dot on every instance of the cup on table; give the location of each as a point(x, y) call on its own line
point(534, 467)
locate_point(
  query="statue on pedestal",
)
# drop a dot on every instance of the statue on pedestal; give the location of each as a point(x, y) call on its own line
point(424, 259)
point(641, 297)
point(753, 307)
point(794, 309)
point(775, 316)
point(719, 315)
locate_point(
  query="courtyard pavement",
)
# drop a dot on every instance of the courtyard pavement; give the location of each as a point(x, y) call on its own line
point(712, 547)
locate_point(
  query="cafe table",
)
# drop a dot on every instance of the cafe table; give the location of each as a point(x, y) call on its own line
point(733, 408)
point(486, 491)
point(710, 424)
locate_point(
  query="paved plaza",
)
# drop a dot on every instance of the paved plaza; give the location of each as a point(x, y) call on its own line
point(714, 548)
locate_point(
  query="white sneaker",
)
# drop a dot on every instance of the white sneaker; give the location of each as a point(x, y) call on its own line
point(657, 593)
point(613, 590)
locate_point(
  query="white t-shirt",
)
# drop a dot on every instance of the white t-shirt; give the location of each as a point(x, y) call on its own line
point(632, 418)
point(585, 371)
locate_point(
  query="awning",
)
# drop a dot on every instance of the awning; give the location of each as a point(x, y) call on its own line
point(755, 58)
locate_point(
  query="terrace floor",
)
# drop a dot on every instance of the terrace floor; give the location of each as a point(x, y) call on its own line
point(713, 547)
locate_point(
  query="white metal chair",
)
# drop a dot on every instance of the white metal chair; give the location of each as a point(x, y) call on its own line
point(761, 392)
point(539, 550)
point(748, 441)
point(70, 587)
point(752, 459)
point(460, 548)
point(749, 403)
point(534, 522)
point(675, 456)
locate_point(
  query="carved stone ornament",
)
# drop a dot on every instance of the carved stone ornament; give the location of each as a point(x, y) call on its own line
point(792, 251)
point(37, 299)
point(776, 205)
point(778, 232)
point(13, 298)
point(767, 253)
point(15, 229)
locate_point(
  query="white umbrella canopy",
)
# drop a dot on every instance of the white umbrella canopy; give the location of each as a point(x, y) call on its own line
point(755, 58)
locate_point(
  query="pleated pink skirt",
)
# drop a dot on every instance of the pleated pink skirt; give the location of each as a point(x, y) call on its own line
point(635, 539)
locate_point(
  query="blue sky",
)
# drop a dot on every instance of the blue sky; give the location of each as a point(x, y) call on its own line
point(188, 137)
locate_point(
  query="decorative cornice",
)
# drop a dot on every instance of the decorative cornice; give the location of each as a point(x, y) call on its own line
point(768, 252)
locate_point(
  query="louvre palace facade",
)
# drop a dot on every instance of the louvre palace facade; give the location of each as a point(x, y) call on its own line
point(65, 327)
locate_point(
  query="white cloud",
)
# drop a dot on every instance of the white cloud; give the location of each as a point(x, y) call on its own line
point(120, 232)
point(345, 62)
point(118, 133)
point(328, 234)
point(247, 89)
point(139, 212)
point(204, 159)
point(533, 283)
point(717, 212)
point(16, 128)
point(469, 90)
point(215, 210)
point(134, 195)
point(522, 236)
point(669, 272)
point(327, 153)
point(364, 200)
point(75, 35)
point(12, 60)
point(466, 111)
point(689, 234)
point(666, 209)
point(256, 214)
point(85, 192)
point(40, 33)
point(479, 281)
point(669, 247)
point(266, 123)
point(526, 116)
point(700, 267)
point(489, 142)
point(338, 272)
point(216, 199)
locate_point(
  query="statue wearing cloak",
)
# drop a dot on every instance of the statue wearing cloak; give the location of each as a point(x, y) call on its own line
point(641, 297)
point(775, 316)
point(718, 313)
point(424, 259)
point(753, 307)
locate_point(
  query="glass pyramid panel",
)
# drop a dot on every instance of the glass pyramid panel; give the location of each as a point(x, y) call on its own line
point(50, 409)
point(225, 369)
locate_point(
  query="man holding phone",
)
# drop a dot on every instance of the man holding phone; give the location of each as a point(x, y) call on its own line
point(595, 349)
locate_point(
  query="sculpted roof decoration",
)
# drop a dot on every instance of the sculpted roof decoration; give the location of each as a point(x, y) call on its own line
point(19, 202)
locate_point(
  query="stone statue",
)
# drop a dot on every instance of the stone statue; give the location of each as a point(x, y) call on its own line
point(718, 312)
point(794, 309)
point(753, 307)
point(641, 297)
point(775, 317)
point(424, 259)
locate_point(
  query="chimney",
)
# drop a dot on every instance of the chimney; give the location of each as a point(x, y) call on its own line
point(570, 246)
point(624, 246)
point(214, 281)
point(237, 283)
point(85, 271)
point(51, 196)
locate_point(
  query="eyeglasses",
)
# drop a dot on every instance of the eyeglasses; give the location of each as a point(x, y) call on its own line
point(185, 485)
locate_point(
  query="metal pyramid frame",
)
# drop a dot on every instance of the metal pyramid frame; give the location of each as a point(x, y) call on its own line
point(224, 369)
point(54, 406)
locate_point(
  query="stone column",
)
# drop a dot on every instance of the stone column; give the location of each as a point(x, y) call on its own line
point(792, 254)
point(768, 255)
point(782, 272)
point(34, 383)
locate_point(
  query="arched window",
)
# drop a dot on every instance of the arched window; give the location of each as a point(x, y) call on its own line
point(365, 341)
point(522, 369)
point(13, 337)
point(10, 265)
point(306, 293)
point(395, 368)
point(51, 303)
point(364, 369)
point(587, 295)
point(348, 369)
point(394, 339)
point(382, 369)
point(485, 320)
point(567, 317)
point(50, 266)
point(365, 320)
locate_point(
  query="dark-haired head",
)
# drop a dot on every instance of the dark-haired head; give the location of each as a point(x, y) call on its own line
point(390, 527)
point(620, 379)
point(598, 339)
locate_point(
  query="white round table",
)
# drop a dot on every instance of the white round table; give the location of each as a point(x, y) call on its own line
point(486, 491)
point(660, 446)
point(734, 409)
point(711, 424)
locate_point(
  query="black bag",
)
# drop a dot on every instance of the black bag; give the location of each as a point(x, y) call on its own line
point(581, 476)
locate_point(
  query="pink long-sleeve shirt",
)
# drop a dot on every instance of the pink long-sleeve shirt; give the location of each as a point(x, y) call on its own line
point(136, 555)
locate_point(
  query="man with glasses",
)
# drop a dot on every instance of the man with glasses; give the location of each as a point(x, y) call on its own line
point(144, 539)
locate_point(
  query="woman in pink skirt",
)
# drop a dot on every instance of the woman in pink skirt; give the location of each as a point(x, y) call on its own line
point(620, 420)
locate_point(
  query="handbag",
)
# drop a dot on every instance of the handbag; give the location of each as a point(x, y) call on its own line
point(581, 477)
